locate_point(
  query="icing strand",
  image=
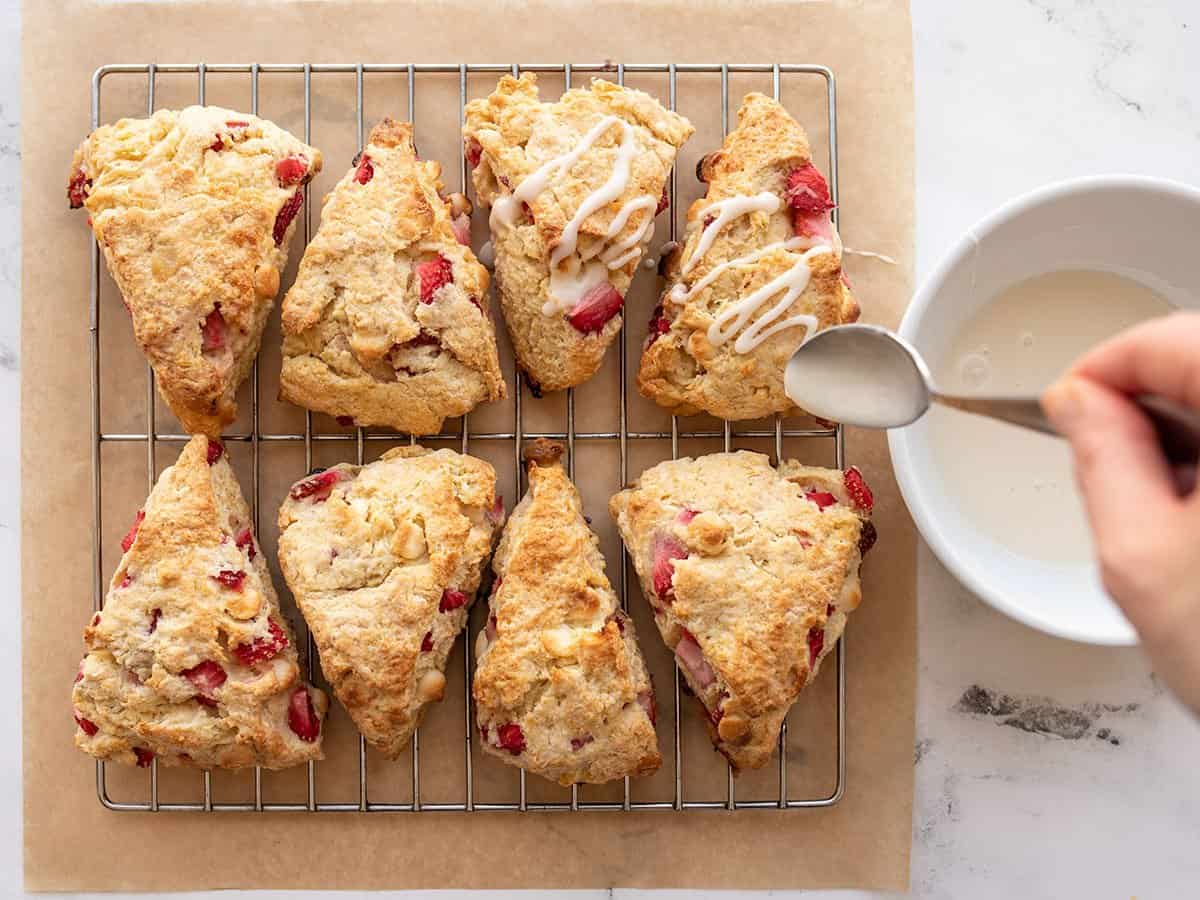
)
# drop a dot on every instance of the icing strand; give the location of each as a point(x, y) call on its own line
point(871, 254)
point(792, 283)
point(568, 284)
point(620, 253)
point(680, 294)
point(625, 213)
point(602, 196)
point(725, 212)
point(507, 208)
point(631, 254)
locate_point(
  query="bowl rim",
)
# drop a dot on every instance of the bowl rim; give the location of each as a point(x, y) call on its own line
point(899, 443)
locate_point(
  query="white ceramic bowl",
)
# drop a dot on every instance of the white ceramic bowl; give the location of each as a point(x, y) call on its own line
point(1143, 228)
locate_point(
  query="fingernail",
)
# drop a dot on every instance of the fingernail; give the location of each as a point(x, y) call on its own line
point(1063, 404)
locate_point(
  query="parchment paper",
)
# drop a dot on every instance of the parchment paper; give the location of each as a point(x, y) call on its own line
point(71, 841)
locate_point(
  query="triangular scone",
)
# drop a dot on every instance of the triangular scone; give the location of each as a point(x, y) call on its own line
point(560, 687)
point(751, 573)
point(759, 269)
point(387, 322)
point(384, 561)
point(194, 210)
point(191, 661)
point(573, 187)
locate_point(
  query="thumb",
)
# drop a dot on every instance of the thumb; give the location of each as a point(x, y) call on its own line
point(1117, 458)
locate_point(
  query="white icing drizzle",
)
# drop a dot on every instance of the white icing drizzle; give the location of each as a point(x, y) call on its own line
point(620, 253)
point(870, 254)
point(507, 208)
point(632, 254)
point(602, 196)
point(570, 281)
point(652, 260)
point(681, 294)
point(807, 242)
point(791, 283)
point(725, 212)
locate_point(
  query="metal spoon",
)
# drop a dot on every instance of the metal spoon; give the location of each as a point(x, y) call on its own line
point(867, 376)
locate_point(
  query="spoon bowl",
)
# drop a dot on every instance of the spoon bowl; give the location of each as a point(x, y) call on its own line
point(861, 375)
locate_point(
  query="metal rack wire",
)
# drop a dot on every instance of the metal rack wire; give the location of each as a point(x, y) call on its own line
point(255, 438)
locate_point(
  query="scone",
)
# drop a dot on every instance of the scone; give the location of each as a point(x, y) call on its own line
point(384, 560)
point(387, 323)
point(191, 661)
point(759, 269)
point(573, 188)
point(560, 688)
point(194, 210)
point(751, 573)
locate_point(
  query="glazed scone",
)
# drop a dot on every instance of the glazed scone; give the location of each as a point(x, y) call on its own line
point(194, 210)
point(191, 661)
point(387, 323)
point(573, 188)
point(560, 687)
point(759, 269)
point(751, 573)
point(384, 561)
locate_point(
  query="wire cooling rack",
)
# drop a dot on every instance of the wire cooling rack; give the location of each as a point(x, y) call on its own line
point(257, 439)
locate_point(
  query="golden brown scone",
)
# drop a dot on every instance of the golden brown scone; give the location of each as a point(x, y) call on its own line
point(191, 661)
point(194, 210)
point(751, 573)
point(388, 320)
point(560, 688)
point(573, 188)
point(384, 560)
point(759, 269)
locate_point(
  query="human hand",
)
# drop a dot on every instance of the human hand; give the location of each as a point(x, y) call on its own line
point(1145, 516)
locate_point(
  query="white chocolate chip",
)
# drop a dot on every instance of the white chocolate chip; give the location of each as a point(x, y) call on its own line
point(459, 204)
point(244, 604)
point(559, 641)
point(410, 540)
point(266, 280)
point(432, 686)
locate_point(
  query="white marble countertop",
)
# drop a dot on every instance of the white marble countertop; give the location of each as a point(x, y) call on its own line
point(1083, 781)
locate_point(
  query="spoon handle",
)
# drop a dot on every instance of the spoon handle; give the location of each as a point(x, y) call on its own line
point(1178, 427)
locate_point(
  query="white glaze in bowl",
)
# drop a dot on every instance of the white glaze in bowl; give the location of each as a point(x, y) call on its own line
point(1142, 228)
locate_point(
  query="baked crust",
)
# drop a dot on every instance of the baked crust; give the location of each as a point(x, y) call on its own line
point(750, 580)
point(194, 210)
point(558, 661)
point(384, 561)
point(510, 135)
point(358, 339)
point(681, 367)
point(191, 660)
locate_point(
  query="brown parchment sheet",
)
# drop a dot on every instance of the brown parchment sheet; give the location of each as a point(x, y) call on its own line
point(71, 842)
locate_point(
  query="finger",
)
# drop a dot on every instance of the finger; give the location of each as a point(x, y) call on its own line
point(1161, 356)
point(1118, 463)
point(1185, 480)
